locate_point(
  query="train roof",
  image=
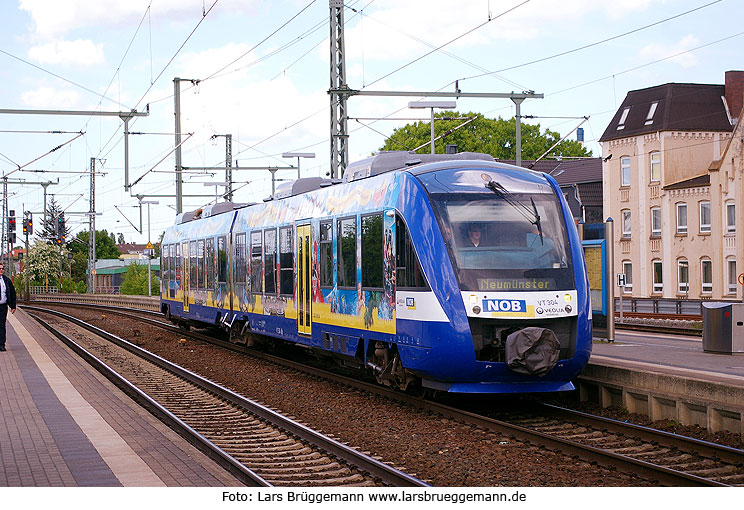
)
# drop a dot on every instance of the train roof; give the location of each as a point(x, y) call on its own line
point(211, 210)
point(399, 160)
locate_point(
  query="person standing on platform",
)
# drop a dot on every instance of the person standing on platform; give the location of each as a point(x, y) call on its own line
point(7, 300)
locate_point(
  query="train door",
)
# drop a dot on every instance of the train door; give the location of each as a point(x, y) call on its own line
point(304, 280)
point(185, 273)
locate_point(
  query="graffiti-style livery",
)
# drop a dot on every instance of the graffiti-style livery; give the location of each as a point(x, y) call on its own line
point(447, 272)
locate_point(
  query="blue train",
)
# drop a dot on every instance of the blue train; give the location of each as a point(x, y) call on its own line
point(442, 272)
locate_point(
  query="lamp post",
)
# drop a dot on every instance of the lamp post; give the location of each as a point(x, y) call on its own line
point(298, 155)
point(446, 105)
point(149, 245)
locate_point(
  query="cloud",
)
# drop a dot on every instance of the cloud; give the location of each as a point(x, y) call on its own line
point(48, 97)
point(64, 53)
point(656, 51)
point(55, 18)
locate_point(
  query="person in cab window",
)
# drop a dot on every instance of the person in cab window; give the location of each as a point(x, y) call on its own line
point(475, 231)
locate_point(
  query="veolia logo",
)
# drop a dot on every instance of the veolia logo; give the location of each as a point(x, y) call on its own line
point(504, 305)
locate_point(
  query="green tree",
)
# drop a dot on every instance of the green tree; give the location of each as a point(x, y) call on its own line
point(135, 281)
point(105, 249)
point(496, 137)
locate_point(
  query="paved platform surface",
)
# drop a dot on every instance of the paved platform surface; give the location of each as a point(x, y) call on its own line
point(64, 424)
point(669, 354)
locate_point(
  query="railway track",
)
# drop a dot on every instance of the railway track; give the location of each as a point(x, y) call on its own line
point(668, 458)
point(257, 444)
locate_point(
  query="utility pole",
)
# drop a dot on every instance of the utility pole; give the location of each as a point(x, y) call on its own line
point(92, 229)
point(179, 168)
point(338, 92)
point(228, 165)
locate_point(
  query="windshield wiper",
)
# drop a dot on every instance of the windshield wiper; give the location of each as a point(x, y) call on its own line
point(530, 215)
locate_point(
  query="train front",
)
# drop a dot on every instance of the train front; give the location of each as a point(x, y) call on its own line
point(518, 265)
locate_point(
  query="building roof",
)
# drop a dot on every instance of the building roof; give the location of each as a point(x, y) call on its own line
point(566, 171)
point(679, 107)
point(694, 182)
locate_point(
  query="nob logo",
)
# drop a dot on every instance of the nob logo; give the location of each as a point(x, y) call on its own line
point(504, 305)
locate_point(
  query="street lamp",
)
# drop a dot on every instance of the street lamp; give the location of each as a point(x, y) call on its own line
point(149, 245)
point(445, 105)
point(298, 155)
point(216, 185)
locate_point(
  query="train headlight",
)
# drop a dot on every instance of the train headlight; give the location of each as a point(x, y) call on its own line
point(567, 298)
point(473, 298)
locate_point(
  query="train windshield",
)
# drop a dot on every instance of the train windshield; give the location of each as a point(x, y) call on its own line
point(504, 241)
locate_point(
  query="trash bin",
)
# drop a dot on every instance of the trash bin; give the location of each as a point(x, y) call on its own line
point(723, 328)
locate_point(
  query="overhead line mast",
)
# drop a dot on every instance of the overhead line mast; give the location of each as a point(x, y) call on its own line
point(340, 92)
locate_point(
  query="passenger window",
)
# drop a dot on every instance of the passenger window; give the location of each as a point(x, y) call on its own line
point(326, 254)
point(200, 263)
point(408, 270)
point(372, 251)
point(210, 264)
point(346, 241)
point(256, 275)
point(270, 261)
point(221, 259)
point(286, 262)
point(193, 266)
point(240, 263)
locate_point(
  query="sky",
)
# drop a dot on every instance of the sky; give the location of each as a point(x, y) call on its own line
point(263, 72)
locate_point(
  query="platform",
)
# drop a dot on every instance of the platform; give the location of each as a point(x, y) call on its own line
point(667, 377)
point(64, 424)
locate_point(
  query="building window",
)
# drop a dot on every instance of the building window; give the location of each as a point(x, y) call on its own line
point(683, 277)
point(628, 272)
point(623, 118)
point(730, 218)
point(626, 223)
point(706, 276)
point(326, 253)
point(651, 112)
point(658, 276)
point(704, 216)
point(655, 158)
point(655, 222)
point(625, 171)
point(681, 218)
point(731, 266)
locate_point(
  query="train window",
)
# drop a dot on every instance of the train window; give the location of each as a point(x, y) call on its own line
point(177, 265)
point(407, 267)
point(193, 271)
point(346, 241)
point(372, 251)
point(221, 259)
point(210, 264)
point(270, 261)
point(172, 263)
point(240, 267)
point(200, 263)
point(286, 262)
point(256, 275)
point(326, 253)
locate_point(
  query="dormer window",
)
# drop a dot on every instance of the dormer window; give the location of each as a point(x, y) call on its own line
point(651, 112)
point(623, 118)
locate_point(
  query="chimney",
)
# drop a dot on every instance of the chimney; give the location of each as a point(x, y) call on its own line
point(734, 90)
